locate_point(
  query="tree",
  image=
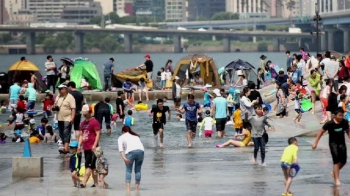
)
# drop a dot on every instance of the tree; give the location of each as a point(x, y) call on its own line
point(108, 44)
point(96, 20)
point(64, 40)
point(290, 6)
point(201, 18)
point(225, 16)
point(50, 45)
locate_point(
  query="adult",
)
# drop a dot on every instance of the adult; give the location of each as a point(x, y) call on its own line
point(327, 58)
point(142, 87)
point(50, 68)
point(347, 61)
point(63, 71)
point(198, 80)
point(132, 151)
point(331, 69)
point(79, 102)
point(254, 94)
point(281, 101)
point(191, 108)
point(89, 140)
point(23, 58)
point(246, 105)
point(120, 106)
point(343, 71)
point(149, 66)
point(102, 110)
point(281, 78)
point(262, 63)
point(315, 81)
point(159, 120)
point(169, 66)
point(65, 108)
point(15, 90)
point(176, 92)
point(289, 59)
point(108, 69)
point(219, 112)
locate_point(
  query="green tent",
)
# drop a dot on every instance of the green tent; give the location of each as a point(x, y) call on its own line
point(85, 69)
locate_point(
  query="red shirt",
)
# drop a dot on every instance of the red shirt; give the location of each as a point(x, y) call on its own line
point(89, 129)
point(21, 106)
point(48, 103)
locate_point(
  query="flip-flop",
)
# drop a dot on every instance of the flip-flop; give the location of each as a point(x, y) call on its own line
point(93, 186)
point(82, 186)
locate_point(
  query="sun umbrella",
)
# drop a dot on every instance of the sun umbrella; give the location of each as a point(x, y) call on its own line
point(336, 54)
point(67, 60)
point(222, 69)
point(239, 64)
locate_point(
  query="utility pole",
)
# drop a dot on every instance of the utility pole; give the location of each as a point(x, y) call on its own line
point(317, 18)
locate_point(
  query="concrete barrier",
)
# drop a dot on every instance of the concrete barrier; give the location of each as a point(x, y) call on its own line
point(27, 167)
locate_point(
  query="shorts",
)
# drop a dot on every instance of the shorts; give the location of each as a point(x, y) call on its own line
point(177, 100)
point(162, 83)
point(90, 159)
point(18, 127)
point(191, 125)
point(285, 165)
point(207, 105)
point(243, 144)
point(156, 126)
point(64, 129)
point(76, 124)
point(338, 152)
point(121, 116)
point(47, 113)
point(220, 124)
point(297, 111)
point(208, 133)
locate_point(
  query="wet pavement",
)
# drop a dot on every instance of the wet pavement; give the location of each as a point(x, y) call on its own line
point(177, 170)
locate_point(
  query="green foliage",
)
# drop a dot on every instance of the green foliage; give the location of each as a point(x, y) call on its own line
point(5, 38)
point(290, 4)
point(202, 18)
point(108, 44)
point(115, 19)
point(168, 41)
point(50, 45)
point(263, 47)
point(225, 16)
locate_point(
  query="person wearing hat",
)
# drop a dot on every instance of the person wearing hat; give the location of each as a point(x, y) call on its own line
point(65, 108)
point(17, 137)
point(50, 67)
point(176, 92)
point(89, 140)
point(108, 69)
point(74, 162)
point(219, 111)
point(149, 66)
point(331, 69)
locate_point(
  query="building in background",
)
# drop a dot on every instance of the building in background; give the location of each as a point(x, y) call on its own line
point(175, 10)
point(107, 6)
point(123, 7)
point(150, 8)
point(247, 6)
point(204, 8)
point(3, 12)
point(22, 17)
point(81, 14)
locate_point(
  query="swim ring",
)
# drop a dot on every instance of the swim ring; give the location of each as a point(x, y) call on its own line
point(82, 174)
point(141, 106)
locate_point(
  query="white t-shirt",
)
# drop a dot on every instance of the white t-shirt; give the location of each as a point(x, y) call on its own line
point(128, 143)
point(324, 61)
point(332, 67)
point(52, 71)
point(208, 123)
point(168, 75)
point(162, 76)
point(178, 90)
point(325, 92)
point(186, 74)
point(245, 82)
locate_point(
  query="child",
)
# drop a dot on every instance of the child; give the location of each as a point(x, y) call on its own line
point(17, 137)
point(238, 123)
point(168, 76)
point(179, 117)
point(207, 98)
point(120, 106)
point(101, 167)
point(30, 121)
point(129, 120)
point(34, 137)
point(230, 101)
point(50, 136)
point(3, 137)
point(114, 119)
point(289, 158)
point(244, 142)
point(41, 128)
point(336, 128)
point(74, 163)
point(127, 86)
point(162, 78)
point(297, 105)
point(48, 103)
point(208, 125)
point(3, 106)
point(16, 117)
point(343, 102)
point(261, 77)
point(21, 105)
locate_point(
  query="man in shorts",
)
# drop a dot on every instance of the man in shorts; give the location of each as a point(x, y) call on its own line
point(79, 101)
point(159, 120)
point(89, 140)
point(219, 111)
point(336, 128)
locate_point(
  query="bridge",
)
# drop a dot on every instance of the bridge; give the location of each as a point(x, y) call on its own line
point(128, 33)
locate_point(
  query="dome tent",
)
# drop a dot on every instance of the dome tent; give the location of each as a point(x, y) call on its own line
point(84, 68)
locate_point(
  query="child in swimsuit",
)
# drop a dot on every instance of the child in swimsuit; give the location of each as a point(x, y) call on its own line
point(244, 142)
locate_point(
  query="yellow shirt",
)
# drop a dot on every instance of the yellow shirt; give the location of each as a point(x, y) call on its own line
point(290, 154)
point(66, 105)
point(237, 119)
point(247, 138)
point(34, 139)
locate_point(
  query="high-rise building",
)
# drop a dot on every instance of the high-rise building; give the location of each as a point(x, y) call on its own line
point(204, 8)
point(3, 12)
point(107, 6)
point(123, 7)
point(81, 14)
point(151, 8)
point(247, 6)
point(175, 10)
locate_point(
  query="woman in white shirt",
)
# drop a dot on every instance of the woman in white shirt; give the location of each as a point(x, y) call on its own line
point(246, 104)
point(132, 151)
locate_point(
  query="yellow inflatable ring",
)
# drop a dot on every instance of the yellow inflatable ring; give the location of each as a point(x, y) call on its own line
point(141, 106)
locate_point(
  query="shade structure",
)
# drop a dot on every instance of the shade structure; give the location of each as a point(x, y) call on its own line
point(67, 60)
point(239, 64)
point(85, 69)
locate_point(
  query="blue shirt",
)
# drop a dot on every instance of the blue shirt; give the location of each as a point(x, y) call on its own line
point(295, 76)
point(283, 79)
point(127, 85)
point(15, 90)
point(108, 66)
point(129, 121)
point(41, 130)
point(220, 107)
point(289, 61)
point(191, 111)
point(206, 98)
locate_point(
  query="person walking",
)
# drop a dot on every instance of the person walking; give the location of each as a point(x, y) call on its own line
point(108, 69)
point(51, 69)
point(15, 90)
point(159, 120)
point(65, 108)
point(219, 111)
point(102, 110)
point(149, 66)
point(176, 92)
point(79, 102)
point(132, 151)
point(89, 140)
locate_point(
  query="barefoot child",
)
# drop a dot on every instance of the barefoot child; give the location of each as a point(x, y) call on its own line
point(208, 125)
point(245, 141)
point(74, 163)
point(101, 167)
point(336, 128)
point(129, 120)
point(289, 158)
point(297, 106)
point(238, 123)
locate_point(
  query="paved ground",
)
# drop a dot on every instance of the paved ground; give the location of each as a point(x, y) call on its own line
point(176, 170)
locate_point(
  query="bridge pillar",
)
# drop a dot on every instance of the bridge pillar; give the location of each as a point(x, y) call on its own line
point(79, 42)
point(276, 45)
point(177, 44)
point(227, 44)
point(330, 36)
point(128, 43)
point(30, 39)
point(346, 31)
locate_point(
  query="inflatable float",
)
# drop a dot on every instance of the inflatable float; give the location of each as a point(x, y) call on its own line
point(134, 75)
point(141, 106)
point(306, 105)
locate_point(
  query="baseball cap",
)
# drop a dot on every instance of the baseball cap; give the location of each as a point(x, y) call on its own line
point(147, 56)
point(85, 109)
point(217, 92)
point(62, 86)
point(74, 144)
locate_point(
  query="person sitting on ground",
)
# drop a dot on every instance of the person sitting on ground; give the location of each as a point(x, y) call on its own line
point(30, 121)
point(245, 141)
point(50, 136)
point(129, 120)
point(34, 138)
point(17, 118)
point(3, 137)
point(74, 163)
point(41, 128)
point(198, 80)
point(179, 117)
point(17, 137)
point(127, 87)
point(143, 88)
point(85, 84)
